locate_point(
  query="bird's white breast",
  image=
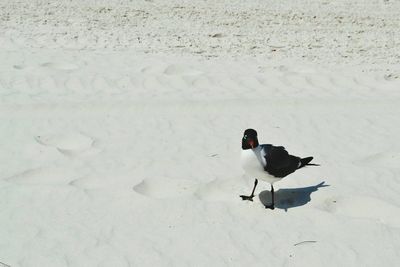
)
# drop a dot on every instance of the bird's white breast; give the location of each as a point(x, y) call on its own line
point(253, 163)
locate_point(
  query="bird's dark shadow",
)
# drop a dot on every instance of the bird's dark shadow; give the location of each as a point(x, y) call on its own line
point(290, 198)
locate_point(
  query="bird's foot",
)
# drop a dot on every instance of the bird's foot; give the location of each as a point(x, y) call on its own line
point(270, 206)
point(250, 198)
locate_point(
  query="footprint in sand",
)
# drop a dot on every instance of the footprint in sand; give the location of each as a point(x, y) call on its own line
point(216, 190)
point(44, 176)
point(387, 159)
point(172, 70)
point(66, 66)
point(69, 144)
point(177, 69)
point(363, 207)
point(165, 188)
point(19, 66)
point(152, 69)
point(225, 190)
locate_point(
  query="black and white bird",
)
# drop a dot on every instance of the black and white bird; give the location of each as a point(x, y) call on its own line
point(267, 162)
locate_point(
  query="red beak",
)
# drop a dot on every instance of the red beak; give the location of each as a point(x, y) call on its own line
point(251, 143)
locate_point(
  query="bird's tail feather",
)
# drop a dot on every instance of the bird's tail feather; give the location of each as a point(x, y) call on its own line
point(306, 162)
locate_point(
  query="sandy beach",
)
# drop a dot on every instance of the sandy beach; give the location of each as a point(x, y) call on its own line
point(122, 122)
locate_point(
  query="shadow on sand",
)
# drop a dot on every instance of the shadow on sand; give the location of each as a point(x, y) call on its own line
point(290, 198)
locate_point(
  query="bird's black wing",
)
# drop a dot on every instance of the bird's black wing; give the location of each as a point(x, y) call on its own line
point(279, 162)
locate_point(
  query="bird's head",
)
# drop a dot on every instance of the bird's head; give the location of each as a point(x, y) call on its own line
point(249, 139)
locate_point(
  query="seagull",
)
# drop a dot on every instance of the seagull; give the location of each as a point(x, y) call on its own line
point(267, 162)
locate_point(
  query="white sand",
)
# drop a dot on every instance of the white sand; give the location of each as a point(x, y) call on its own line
point(120, 152)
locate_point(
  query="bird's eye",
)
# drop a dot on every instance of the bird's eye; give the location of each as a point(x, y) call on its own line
point(245, 137)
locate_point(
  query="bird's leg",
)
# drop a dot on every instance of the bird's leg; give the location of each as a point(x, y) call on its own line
point(272, 206)
point(252, 192)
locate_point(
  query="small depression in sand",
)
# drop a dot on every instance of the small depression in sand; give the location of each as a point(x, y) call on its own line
point(67, 143)
point(165, 187)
